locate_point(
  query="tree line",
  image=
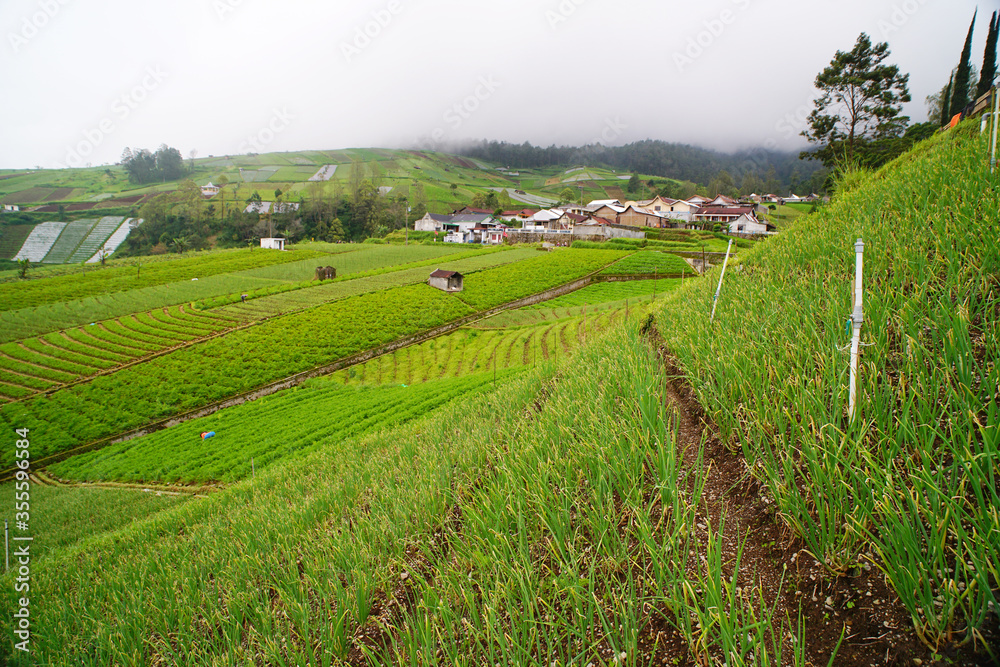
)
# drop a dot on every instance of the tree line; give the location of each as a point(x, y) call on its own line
point(144, 166)
point(780, 171)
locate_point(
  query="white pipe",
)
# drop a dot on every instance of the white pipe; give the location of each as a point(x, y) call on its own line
point(996, 110)
point(987, 119)
point(857, 319)
point(715, 301)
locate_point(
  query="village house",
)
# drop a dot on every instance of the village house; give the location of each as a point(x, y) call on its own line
point(749, 224)
point(431, 222)
point(634, 216)
point(722, 200)
point(209, 190)
point(609, 211)
point(721, 214)
point(273, 243)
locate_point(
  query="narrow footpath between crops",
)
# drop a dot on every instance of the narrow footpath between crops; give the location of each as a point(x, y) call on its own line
point(42, 478)
point(857, 614)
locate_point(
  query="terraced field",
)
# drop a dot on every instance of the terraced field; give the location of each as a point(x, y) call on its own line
point(471, 350)
point(39, 242)
point(254, 435)
point(110, 280)
point(646, 262)
point(44, 363)
point(99, 236)
point(284, 302)
point(69, 240)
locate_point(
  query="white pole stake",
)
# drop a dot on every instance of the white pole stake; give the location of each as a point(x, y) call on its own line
point(6, 547)
point(857, 318)
point(996, 110)
point(715, 301)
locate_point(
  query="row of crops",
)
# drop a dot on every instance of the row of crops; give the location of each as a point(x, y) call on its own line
point(475, 351)
point(40, 364)
point(253, 435)
point(649, 262)
point(100, 281)
point(271, 305)
point(448, 539)
point(214, 369)
point(911, 484)
point(493, 287)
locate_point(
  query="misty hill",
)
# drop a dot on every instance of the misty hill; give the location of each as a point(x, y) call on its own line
point(751, 170)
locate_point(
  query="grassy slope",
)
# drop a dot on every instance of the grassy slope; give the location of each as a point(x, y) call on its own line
point(540, 523)
point(368, 511)
point(911, 486)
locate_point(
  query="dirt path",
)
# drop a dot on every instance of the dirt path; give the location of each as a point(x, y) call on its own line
point(43, 478)
point(859, 607)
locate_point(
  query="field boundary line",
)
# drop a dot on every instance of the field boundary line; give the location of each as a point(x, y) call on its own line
point(43, 478)
point(299, 378)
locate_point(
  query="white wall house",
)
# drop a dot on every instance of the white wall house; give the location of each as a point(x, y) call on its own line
point(431, 222)
point(747, 224)
point(273, 243)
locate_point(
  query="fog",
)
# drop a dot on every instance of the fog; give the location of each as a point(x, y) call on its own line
point(82, 80)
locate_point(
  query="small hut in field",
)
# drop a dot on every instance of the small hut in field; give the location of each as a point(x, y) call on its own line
point(448, 281)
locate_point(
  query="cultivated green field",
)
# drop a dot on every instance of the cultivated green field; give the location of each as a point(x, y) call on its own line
point(256, 434)
point(911, 484)
point(642, 489)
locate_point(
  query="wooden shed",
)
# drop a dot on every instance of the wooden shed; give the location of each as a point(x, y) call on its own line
point(449, 281)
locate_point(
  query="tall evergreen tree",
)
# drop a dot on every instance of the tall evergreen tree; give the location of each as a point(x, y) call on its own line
point(944, 101)
point(960, 90)
point(860, 106)
point(989, 58)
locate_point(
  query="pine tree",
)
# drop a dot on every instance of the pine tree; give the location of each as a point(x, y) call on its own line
point(960, 91)
point(944, 101)
point(989, 58)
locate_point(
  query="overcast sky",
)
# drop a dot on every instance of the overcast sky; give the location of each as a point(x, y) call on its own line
point(83, 79)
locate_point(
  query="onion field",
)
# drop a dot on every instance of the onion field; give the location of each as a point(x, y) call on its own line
point(43, 363)
point(470, 350)
point(911, 484)
point(17, 294)
point(211, 370)
point(647, 262)
point(255, 434)
point(493, 287)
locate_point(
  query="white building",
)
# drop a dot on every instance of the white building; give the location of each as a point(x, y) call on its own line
point(748, 224)
point(273, 243)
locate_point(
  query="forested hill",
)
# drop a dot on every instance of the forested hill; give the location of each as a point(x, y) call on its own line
point(766, 170)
